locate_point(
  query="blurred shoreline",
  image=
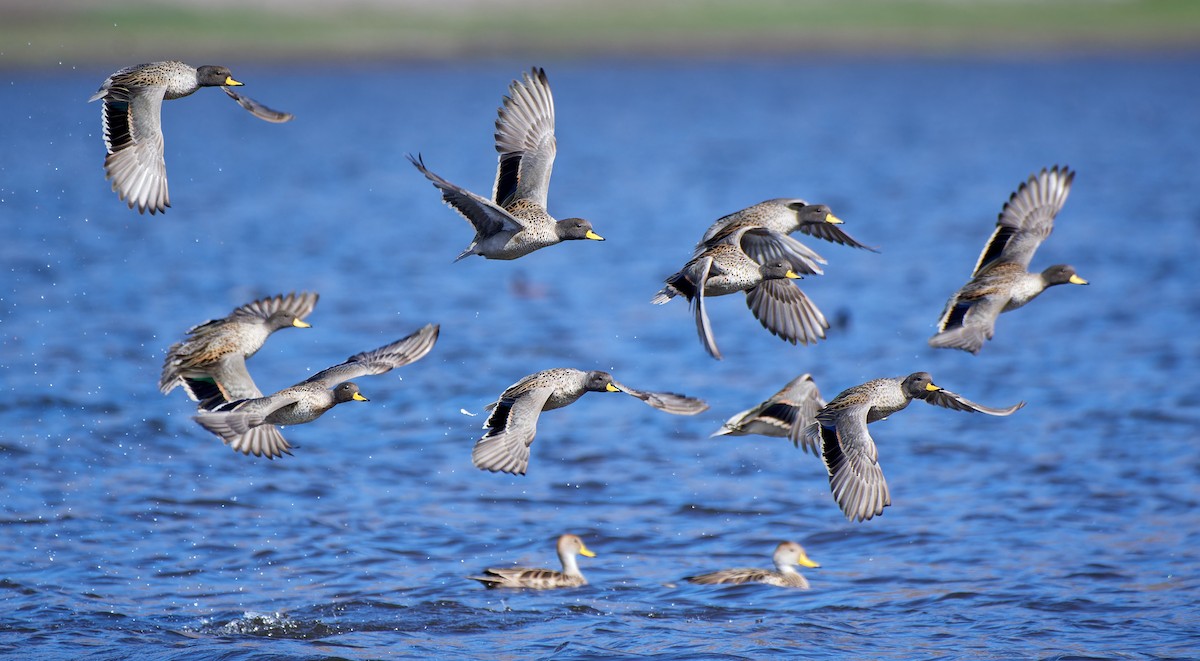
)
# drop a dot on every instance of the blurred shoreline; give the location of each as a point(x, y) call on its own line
point(69, 32)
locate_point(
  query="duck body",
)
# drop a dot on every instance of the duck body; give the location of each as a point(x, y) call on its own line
point(840, 437)
point(211, 363)
point(1001, 281)
point(785, 414)
point(515, 222)
point(249, 425)
point(725, 268)
point(568, 547)
point(786, 557)
point(132, 122)
point(780, 217)
point(512, 424)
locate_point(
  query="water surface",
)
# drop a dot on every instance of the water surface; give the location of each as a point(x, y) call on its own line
point(1066, 530)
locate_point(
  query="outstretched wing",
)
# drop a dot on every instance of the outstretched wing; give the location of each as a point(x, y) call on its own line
point(786, 413)
point(817, 220)
point(947, 399)
point(785, 311)
point(245, 432)
point(259, 110)
point(525, 140)
point(484, 215)
point(700, 273)
point(1027, 218)
point(230, 378)
point(667, 401)
point(377, 361)
point(297, 305)
point(855, 477)
point(133, 136)
point(511, 428)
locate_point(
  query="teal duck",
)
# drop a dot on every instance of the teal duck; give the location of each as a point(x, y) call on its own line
point(787, 556)
point(782, 216)
point(785, 414)
point(1000, 281)
point(725, 268)
point(513, 421)
point(210, 363)
point(569, 546)
point(840, 437)
point(248, 425)
point(515, 222)
point(132, 123)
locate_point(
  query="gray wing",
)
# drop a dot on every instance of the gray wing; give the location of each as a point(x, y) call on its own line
point(1027, 218)
point(969, 319)
point(786, 413)
point(245, 432)
point(834, 234)
point(667, 401)
point(766, 245)
point(381, 360)
point(297, 305)
point(511, 428)
point(232, 378)
point(810, 438)
point(850, 456)
point(484, 215)
point(259, 110)
point(133, 136)
point(950, 400)
point(525, 140)
point(785, 311)
point(701, 270)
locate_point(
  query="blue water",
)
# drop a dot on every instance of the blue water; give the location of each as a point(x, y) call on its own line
point(1068, 530)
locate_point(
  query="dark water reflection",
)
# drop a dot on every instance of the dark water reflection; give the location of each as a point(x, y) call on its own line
point(1068, 529)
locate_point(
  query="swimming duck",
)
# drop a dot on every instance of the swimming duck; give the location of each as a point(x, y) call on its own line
point(787, 556)
point(132, 123)
point(515, 222)
point(569, 546)
point(248, 425)
point(840, 437)
point(786, 413)
point(513, 421)
point(210, 363)
point(1000, 281)
point(725, 268)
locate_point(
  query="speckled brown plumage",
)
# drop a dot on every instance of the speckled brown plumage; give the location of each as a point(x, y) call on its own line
point(248, 426)
point(786, 557)
point(725, 268)
point(132, 123)
point(1001, 282)
point(211, 362)
point(781, 216)
point(569, 546)
point(513, 421)
point(840, 436)
point(515, 221)
point(785, 414)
